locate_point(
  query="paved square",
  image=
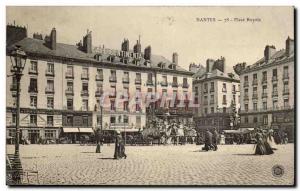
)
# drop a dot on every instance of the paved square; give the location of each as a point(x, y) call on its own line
point(157, 165)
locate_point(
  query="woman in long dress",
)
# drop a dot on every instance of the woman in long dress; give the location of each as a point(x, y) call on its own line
point(260, 146)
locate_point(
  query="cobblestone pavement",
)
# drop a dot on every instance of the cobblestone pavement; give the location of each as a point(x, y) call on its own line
point(157, 165)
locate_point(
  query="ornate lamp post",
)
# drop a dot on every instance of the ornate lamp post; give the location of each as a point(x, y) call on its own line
point(18, 59)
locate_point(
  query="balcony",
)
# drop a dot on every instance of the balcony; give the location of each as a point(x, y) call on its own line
point(264, 81)
point(254, 82)
point(112, 79)
point(246, 97)
point(138, 81)
point(32, 89)
point(99, 77)
point(125, 80)
point(254, 96)
point(275, 94)
point(84, 93)
point(113, 94)
point(150, 82)
point(31, 71)
point(13, 87)
point(185, 85)
point(69, 75)
point(260, 110)
point(85, 76)
point(69, 92)
point(264, 95)
point(285, 77)
point(246, 84)
point(49, 90)
point(205, 102)
point(274, 79)
point(174, 84)
point(164, 83)
point(205, 91)
point(98, 93)
point(286, 92)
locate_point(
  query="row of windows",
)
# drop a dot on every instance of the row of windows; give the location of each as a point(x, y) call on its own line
point(33, 119)
point(265, 76)
point(212, 88)
point(265, 105)
point(265, 89)
point(265, 119)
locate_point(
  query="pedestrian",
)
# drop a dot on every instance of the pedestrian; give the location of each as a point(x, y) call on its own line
point(222, 139)
point(215, 139)
point(98, 141)
point(118, 139)
point(207, 140)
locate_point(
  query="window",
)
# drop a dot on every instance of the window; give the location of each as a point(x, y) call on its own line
point(246, 119)
point(33, 101)
point(265, 106)
point(50, 102)
point(265, 120)
point(185, 82)
point(196, 91)
point(112, 119)
point(246, 78)
point(274, 88)
point(112, 105)
point(275, 104)
point(113, 76)
point(164, 81)
point(233, 88)
point(125, 119)
point(255, 106)
point(50, 68)
point(286, 87)
point(85, 72)
point(212, 110)
point(205, 100)
point(254, 119)
point(100, 73)
point(49, 120)
point(174, 81)
point(149, 77)
point(12, 132)
point(224, 99)
point(33, 85)
point(254, 90)
point(212, 99)
point(50, 134)
point(265, 76)
point(286, 103)
point(33, 66)
point(224, 87)
point(205, 88)
point(138, 77)
point(33, 119)
point(85, 120)
point(254, 76)
point(70, 85)
point(234, 98)
point(85, 105)
point(69, 120)
point(264, 89)
point(274, 118)
point(14, 118)
point(275, 73)
point(70, 104)
point(85, 87)
point(224, 109)
point(99, 118)
point(69, 71)
point(126, 77)
point(212, 86)
point(205, 110)
point(50, 85)
point(285, 72)
point(246, 107)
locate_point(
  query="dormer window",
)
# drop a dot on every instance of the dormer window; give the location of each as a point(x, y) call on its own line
point(172, 66)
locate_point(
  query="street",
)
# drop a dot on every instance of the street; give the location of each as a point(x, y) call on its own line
point(156, 165)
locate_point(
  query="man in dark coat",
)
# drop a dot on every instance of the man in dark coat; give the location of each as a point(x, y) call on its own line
point(117, 145)
point(215, 138)
point(98, 141)
point(208, 140)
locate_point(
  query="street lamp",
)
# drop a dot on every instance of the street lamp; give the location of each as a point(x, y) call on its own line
point(218, 117)
point(18, 59)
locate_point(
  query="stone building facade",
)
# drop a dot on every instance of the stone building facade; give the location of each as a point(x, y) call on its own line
point(267, 93)
point(62, 86)
point(217, 95)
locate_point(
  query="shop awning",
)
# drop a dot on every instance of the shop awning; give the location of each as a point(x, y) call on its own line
point(128, 130)
point(86, 130)
point(70, 130)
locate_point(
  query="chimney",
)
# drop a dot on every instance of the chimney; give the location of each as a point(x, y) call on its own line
point(15, 33)
point(209, 65)
point(269, 52)
point(219, 64)
point(125, 45)
point(289, 46)
point(87, 42)
point(175, 58)
point(137, 47)
point(37, 36)
point(53, 39)
point(147, 53)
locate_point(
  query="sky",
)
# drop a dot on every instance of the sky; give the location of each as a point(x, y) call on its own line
point(167, 29)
